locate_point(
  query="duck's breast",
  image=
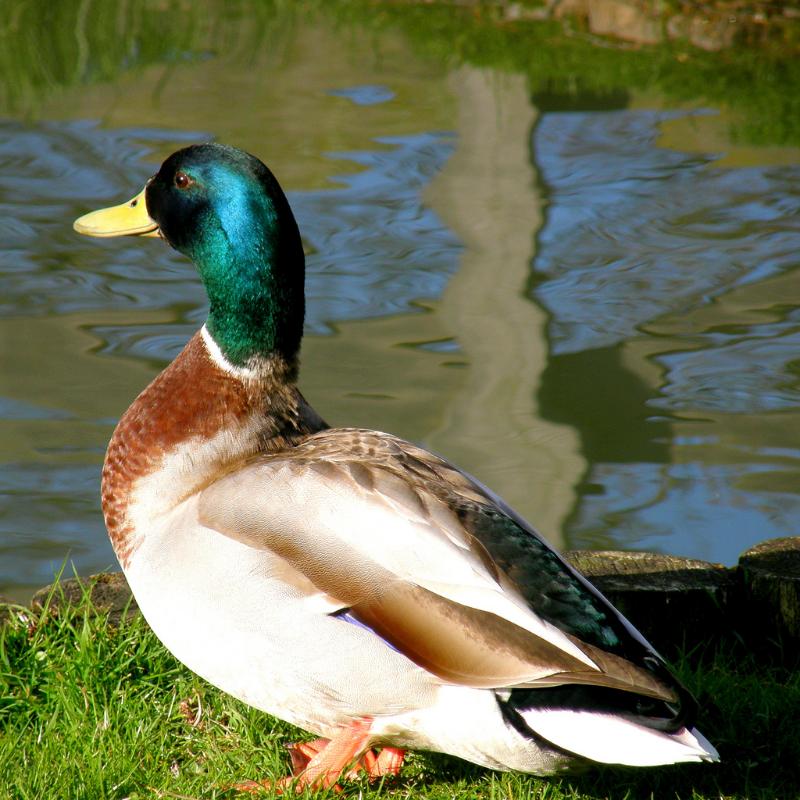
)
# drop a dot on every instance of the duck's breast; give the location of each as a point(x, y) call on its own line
point(243, 620)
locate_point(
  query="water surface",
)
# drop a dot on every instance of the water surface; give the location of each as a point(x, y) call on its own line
point(591, 304)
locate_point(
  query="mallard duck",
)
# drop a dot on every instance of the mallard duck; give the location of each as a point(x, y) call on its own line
point(347, 581)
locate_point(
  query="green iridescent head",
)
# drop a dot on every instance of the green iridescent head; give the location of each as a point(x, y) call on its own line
point(224, 209)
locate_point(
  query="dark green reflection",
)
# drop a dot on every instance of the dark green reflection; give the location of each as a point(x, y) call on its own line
point(593, 391)
point(45, 45)
point(551, 97)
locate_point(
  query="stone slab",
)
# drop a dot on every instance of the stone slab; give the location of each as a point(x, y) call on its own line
point(770, 574)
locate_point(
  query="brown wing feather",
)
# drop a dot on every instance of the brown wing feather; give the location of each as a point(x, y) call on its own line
point(458, 643)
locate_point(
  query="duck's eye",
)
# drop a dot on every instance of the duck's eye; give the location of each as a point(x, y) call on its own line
point(182, 180)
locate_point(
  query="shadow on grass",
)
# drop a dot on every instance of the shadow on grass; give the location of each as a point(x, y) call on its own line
point(749, 709)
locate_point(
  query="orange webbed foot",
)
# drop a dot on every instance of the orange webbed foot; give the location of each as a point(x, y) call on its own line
point(319, 764)
point(388, 762)
point(301, 753)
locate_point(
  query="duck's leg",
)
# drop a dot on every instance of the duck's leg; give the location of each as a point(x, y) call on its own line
point(387, 762)
point(301, 753)
point(377, 765)
point(345, 748)
point(320, 763)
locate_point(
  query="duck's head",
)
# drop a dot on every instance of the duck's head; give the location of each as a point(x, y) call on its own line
point(224, 209)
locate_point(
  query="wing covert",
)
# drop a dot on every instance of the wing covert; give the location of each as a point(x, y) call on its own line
point(405, 541)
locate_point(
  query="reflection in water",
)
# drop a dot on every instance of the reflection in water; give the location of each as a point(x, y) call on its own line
point(487, 193)
point(643, 392)
point(291, 96)
point(673, 292)
point(617, 395)
point(375, 250)
point(375, 247)
point(84, 328)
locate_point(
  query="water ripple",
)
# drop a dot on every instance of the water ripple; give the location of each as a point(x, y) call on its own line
point(684, 279)
point(374, 250)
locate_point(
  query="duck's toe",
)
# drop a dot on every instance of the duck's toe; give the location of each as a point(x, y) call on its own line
point(380, 765)
point(301, 753)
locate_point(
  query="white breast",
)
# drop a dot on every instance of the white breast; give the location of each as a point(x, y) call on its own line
point(218, 606)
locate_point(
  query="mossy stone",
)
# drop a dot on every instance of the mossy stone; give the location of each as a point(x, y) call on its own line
point(771, 576)
point(109, 593)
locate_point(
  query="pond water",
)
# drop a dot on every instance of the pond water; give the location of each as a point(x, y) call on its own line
point(590, 301)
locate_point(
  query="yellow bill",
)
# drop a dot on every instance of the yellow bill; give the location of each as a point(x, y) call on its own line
point(127, 219)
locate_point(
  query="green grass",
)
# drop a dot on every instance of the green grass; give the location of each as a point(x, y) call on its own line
point(89, 710)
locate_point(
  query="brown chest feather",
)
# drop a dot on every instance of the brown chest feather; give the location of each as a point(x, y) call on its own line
point(193, 399)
